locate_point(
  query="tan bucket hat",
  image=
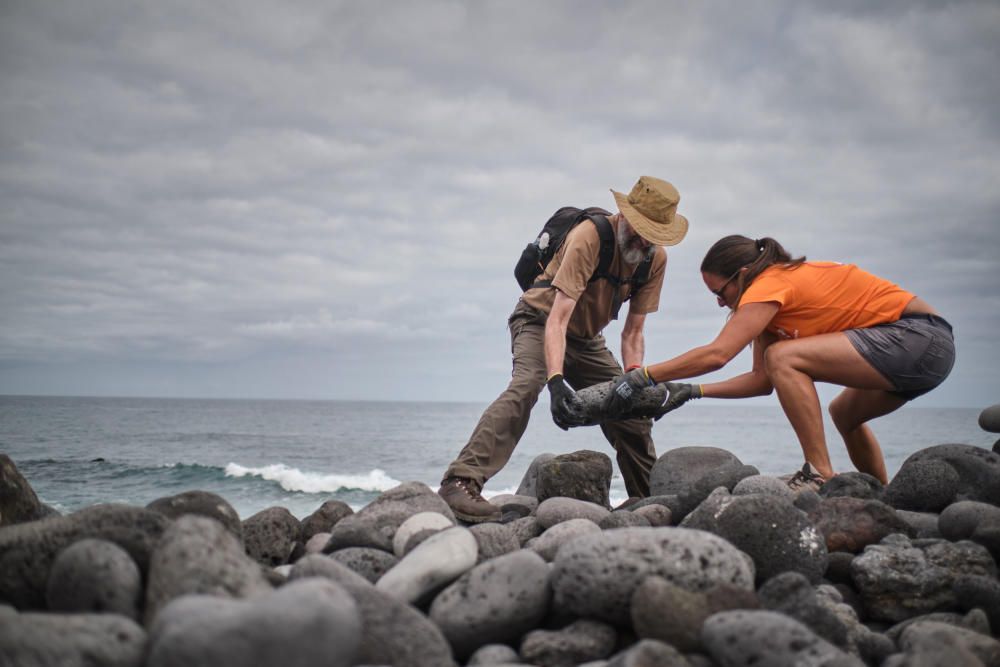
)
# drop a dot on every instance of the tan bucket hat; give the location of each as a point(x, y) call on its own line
point(651, 209)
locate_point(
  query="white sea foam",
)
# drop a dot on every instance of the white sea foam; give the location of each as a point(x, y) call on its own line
point(293, 479)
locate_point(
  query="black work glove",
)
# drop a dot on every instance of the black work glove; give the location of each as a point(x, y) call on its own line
point(566, 406)
point(678, 394)
point(619, 400)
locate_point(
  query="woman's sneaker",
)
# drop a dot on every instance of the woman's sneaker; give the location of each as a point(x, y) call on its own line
point(807, 478)
point(465, 501)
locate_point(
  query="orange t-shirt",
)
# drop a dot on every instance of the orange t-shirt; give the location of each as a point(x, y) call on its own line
point(825, 297)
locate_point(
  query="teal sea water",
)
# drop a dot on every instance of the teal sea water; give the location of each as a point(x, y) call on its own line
point(78, 451)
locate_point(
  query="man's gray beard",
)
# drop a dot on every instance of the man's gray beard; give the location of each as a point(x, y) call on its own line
point(631, 255)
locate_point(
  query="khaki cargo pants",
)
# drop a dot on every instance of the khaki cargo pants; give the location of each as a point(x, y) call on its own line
point(587, 362)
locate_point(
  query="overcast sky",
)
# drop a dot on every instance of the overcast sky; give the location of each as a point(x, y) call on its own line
point(326, 199)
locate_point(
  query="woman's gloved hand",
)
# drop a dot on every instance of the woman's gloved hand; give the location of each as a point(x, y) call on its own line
point(678, 394)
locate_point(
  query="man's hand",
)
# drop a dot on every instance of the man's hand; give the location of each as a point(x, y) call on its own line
point(566, 406)
point(619, 400)
point(678, 394)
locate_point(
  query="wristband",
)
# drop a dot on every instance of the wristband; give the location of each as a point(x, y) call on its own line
point(633, 367)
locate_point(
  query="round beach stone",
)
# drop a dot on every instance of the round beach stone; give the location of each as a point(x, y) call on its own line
point(900, 578)
point(305, 622)
point(623, 519)
point(95, 576)
point(556, 510)
point(439, 560)
point(763, 484)
point(978, 470)
point(494, 539)
point(495, 602)
point(979, 592)
point(770, 529)
point(524, 529)
point(69, 640)
point(749, 638)
point(323, 519)
point(971, 520)
point(199, 555)
point(418, 523)
point(580, 641)
point(851, 524)
point(989, 419)
point(369, 563)
point(725, 477)
point(528, 504)
point(656, 515)
point(791, 594)
point(270, 536)
point(18, 501)
point(662, 610)
point(923, 485)
point(317, 543)
point(647, 653)
point(393, 632)
point(202, 503)
point(27, 550)
point(376, 523)
point(584, 475)
point(595, 575)
point(935, 643)
point(678, 468)
point(492, 655)
point(854, 485)
point(548, 543)
point(921, 524)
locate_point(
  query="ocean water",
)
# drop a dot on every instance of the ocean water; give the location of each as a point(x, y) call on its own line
point(78, 451)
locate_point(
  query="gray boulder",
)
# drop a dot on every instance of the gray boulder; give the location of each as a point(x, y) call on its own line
point(851, 524)
point(656, 515)
point(199, 555)
point(306, 622)
point(989, 419)
point(923, 485)
point(975, 521)
point(495, 602)
point(202, 503)
point(323, 519)
point(392, 632)
point(662, 610)
point(649, 653)
point(376, 523)
point(70, 640)
point(438, 561)
point(934, 643)
point(492, 655)
point(900, 578)
point(778, 536)
point(529, 483)
point(791, 594)
point(762, 484)
point(270, 536)
point(423, 524)
point(95, 576)
point(920, 524)
point(547, 544)
point(979, 592)
point(584, 475)
point(853, 485)
point(18, 501)
point(556, 510)
point(578, 642)
point(623, 519)
point(494, 540)
point(596, 575)
point(525, 529)
point(748, 638)
point(727, 477)
point(679, 468)
point(978, 471)
point(27, 550)
point(369, 563)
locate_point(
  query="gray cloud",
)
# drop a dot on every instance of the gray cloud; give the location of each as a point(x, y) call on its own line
point(326, 199)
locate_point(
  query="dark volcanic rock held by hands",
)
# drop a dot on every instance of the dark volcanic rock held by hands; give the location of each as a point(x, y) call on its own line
point(28, 550)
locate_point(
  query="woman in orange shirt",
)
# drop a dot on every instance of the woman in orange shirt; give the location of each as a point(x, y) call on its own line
point(809, 321)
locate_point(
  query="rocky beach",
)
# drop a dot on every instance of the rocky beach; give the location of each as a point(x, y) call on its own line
point(720, 566)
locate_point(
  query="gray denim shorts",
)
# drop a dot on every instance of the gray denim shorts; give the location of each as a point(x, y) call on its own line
point(915, 353)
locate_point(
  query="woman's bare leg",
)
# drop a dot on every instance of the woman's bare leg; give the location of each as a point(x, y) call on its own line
point(794, 366)
point(850, 411)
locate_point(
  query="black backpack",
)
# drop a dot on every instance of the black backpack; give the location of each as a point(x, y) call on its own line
point(537, 254)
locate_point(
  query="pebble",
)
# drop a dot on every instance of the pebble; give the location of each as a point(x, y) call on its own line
point(547, 544)
point(439, 560)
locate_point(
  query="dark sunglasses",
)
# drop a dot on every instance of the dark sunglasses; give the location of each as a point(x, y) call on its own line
point(718, 292)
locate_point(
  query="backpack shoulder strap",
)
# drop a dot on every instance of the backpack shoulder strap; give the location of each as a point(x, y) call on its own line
point(607, 252)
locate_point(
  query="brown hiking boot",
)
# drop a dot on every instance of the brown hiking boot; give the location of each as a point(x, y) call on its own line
point(807, 478)
point(464, 499)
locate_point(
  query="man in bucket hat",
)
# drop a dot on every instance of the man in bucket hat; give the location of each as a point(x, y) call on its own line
point(556, 342)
